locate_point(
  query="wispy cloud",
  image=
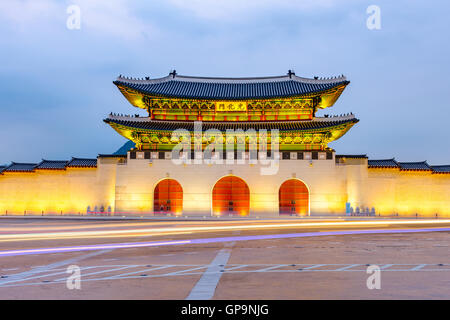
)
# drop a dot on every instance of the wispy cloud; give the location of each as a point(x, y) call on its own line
point(114, 18)
point(100, 17)
point(24, 14)
point(239, 9)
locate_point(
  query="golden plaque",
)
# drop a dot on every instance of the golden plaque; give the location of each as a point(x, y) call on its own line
point(231, 106)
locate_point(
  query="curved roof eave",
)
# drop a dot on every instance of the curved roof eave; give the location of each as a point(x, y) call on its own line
point(303, 126)
point(187, 87)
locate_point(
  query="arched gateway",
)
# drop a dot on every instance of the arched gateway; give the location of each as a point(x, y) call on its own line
point(168, 197)
point(260, 112)
point(231, 195)
point(293, 198)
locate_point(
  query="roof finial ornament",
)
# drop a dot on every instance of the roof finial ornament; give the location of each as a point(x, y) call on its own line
point(291, 73)
point(173, 73)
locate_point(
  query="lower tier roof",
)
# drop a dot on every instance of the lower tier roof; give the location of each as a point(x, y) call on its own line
point(166, 125)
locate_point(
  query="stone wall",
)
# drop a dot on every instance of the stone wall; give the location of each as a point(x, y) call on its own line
point(391, 191)
point(68, 191)
point(126, 188)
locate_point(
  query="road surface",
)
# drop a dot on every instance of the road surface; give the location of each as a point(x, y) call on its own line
point(251, 259)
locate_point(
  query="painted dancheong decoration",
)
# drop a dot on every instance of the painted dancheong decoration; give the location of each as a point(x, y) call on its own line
point(288, 103)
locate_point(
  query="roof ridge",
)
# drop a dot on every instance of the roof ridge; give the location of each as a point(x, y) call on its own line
point(27, 163)
point(390, 159)
point(173, 76)
point(75, 158)
point(46, 160)
point(413, 162)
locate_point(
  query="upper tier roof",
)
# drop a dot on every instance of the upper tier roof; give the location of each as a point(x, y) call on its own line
point(178, 86)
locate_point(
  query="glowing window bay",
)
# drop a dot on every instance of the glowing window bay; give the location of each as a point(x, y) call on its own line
point(228, 106)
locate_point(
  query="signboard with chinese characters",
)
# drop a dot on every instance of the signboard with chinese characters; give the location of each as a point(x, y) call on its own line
point(227, 106)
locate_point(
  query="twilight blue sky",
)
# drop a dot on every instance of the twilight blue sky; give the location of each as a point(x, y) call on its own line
point(56, 84)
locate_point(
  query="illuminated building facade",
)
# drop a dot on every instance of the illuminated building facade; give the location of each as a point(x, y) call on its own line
point(228, 146)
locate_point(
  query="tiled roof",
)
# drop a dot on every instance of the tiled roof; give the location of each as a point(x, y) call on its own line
point(424, 166)
point(49, 165)
point(385, 163)
point(20, 167)
point(222, 126)
point(180, 86)
point(441, 169)
point(352, 156)
point(82, 163)
point(414, 166)
point(52, 164)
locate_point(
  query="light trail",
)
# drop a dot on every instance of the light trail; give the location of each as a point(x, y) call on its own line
point(131, 235)
point(209, 240)
point(94, 224)
point(176, 230)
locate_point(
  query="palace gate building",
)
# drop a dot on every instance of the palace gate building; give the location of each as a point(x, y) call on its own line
point(228, 146)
